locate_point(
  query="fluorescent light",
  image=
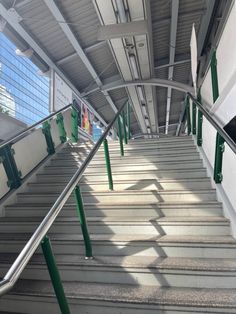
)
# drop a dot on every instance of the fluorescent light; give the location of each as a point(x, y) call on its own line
point(121, 11)
point(148, 130)
point(144, 110)
point(140, 93)
point(134, 66)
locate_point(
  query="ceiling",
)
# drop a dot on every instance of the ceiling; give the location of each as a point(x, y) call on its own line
point(99, 46)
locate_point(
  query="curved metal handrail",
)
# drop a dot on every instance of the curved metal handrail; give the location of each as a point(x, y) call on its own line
point(221, 131)
point(19, 135)
point(23, 258)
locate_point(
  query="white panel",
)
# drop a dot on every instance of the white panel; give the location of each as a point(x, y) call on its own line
point(107, 12)
point(229, 174)
point(209, 140)
point(206, 89)
point(55, 132)
point(136, 10)
point(143, 56)
point(3, 181)
point(227, 109)
point(120, 55)
point(67, 122)
point(226, 51)
point(30, 151)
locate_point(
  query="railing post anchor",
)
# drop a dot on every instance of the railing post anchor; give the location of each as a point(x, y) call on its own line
point(83, 223)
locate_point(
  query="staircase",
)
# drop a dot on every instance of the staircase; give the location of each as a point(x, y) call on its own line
point(160, 241)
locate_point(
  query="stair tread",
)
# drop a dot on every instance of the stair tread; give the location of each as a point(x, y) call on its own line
point(125, 220)
point(216, 298)
point(149, 262)
point(127, 238)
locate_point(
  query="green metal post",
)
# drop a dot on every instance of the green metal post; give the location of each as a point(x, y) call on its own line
point(128, 120)
point(108, 164)
point(199, 123)
point(10, 167)
point(83, 222)
point(188, 115)
point(74, 125)
point(219, 148)
point(55, 276)
point(120, 137)
point(61, 128)
point(194, 111)
point(47, 133)
point(124, 127)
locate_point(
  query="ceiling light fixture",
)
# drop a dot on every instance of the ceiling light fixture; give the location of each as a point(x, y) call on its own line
point(134, 66)
point(121, 11)
point(140, 93)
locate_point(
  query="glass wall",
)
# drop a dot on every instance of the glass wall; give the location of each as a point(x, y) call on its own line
point(97, 132)
point(24, 94)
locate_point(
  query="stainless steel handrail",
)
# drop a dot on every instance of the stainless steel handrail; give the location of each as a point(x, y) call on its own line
point(23, 258)
point(221, 131)
point(18, 136)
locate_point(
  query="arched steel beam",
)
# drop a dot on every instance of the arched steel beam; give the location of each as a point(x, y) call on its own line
point(153, 82)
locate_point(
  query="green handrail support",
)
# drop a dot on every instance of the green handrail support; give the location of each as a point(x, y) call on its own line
point(108, 164)
point(61, 127)
point(74, 125)
point(188, 115)
point(128, 119)
point(10, 167)
point(83, 222)
point(54, 275)
point(46, 129)
point(124, 127)
point(199, 123)
point(120, 137)
point(219, 147)
point(194, 114)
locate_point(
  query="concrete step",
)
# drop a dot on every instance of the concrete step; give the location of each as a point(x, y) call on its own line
point(95, 298)
point(125, 197)
point(110, 210)
point(152, 174)
point(70, 168)
point(142, 185)
point(134, 270)
point(158, 153)
point(153, 141)
point(73, 159)
point(136, 245)
point(124, 225)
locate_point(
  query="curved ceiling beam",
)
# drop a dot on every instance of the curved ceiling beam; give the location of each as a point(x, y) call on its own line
point(153, 82)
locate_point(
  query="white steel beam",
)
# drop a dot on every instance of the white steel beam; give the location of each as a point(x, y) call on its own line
point(152, 82)
point(76, 45)
point(12, 17)
point(173, 34)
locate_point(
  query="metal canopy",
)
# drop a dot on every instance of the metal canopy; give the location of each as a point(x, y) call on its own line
point(144, 54)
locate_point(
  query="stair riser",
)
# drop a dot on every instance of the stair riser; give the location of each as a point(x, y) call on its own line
point(41, 305)
point(143, 186)
point(149, 229)
point(147, 152)
point(198, 173)
point(147, 213)
point(133, 276)
point(149, 159)
point(132, 248)
point(141, 167)
point(125, 199)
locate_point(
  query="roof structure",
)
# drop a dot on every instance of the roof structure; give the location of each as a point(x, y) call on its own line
point(107, 49)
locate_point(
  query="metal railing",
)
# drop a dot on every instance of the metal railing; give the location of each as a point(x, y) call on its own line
point(221, 137)
point(40, 235)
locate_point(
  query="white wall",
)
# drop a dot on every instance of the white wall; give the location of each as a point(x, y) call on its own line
point(223, 110)
point(10, 126)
